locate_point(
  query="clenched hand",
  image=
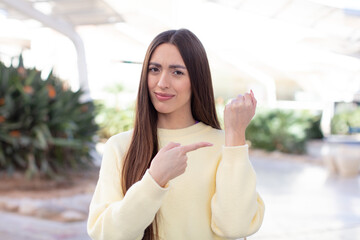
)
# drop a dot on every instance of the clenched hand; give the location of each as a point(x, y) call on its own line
point(237, 116)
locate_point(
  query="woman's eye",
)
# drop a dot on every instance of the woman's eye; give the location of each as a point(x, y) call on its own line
point(153, 69)
point(178, 73)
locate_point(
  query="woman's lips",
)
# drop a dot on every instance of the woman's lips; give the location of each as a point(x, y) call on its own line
point(163, 96)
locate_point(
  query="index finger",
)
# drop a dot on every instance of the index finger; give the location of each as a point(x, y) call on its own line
point(195, 146)
point(253, 98)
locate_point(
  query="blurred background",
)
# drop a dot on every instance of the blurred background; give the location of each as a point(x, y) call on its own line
point(69, 72)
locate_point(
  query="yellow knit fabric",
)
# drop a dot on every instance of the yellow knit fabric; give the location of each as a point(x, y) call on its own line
point(215, 198)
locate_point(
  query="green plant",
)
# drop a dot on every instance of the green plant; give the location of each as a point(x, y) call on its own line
point(283, 130)
point(44, 127)
point(343, 121)
point(314, 132)
point(113, 120)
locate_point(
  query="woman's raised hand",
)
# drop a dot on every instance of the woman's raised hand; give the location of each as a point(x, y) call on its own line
point(237, 116)
point(171, 161)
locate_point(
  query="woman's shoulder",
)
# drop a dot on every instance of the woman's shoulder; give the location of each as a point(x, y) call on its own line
point(120, 140)
point(121, 136)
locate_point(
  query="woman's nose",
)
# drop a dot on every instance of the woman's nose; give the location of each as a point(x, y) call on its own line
point(164, 81)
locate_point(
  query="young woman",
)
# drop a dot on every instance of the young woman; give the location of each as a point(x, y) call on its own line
point(176, 175)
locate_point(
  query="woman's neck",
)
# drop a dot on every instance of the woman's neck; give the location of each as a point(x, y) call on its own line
point(170, 121)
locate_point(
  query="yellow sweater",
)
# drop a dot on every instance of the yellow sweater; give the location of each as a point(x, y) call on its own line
point(215, 198)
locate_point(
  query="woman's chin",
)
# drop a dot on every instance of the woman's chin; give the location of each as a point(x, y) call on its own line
point(163, 111)
point(162, 108)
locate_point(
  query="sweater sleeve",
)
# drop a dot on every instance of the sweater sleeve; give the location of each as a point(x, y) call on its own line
point(114, 216)
point(237, 209)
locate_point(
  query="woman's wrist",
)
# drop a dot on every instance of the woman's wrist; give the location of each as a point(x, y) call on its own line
point(161, 180)
point(235, 138)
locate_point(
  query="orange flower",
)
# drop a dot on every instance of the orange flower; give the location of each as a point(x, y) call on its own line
point(52, 92)
point(28, 89)
point(2, 101)
point(2, 119)
point(15, 133)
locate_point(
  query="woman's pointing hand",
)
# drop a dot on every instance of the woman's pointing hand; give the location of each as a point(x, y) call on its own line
point(171, 161)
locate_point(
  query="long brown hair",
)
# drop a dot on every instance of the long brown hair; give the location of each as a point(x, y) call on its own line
point(144, 143)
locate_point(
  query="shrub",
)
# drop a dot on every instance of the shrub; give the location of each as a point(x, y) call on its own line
point(283, 130)
point(342, 122)
point(45, 128)
point(113, 120)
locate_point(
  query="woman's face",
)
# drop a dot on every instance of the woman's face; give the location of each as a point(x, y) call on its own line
point(169, 81)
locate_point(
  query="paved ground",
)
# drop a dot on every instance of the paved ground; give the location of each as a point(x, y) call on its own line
point(15, 227)
point(302, 202)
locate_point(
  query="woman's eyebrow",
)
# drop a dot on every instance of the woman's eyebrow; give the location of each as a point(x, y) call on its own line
point(170, 66)
point(155, 64)
point(177, 66)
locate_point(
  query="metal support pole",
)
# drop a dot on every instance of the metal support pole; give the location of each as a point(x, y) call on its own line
point(62, 27)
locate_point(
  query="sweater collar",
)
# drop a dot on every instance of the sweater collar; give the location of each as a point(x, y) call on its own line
point(193, 129)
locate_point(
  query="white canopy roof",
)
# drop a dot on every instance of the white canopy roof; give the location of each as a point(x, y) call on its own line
point(272, 46)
